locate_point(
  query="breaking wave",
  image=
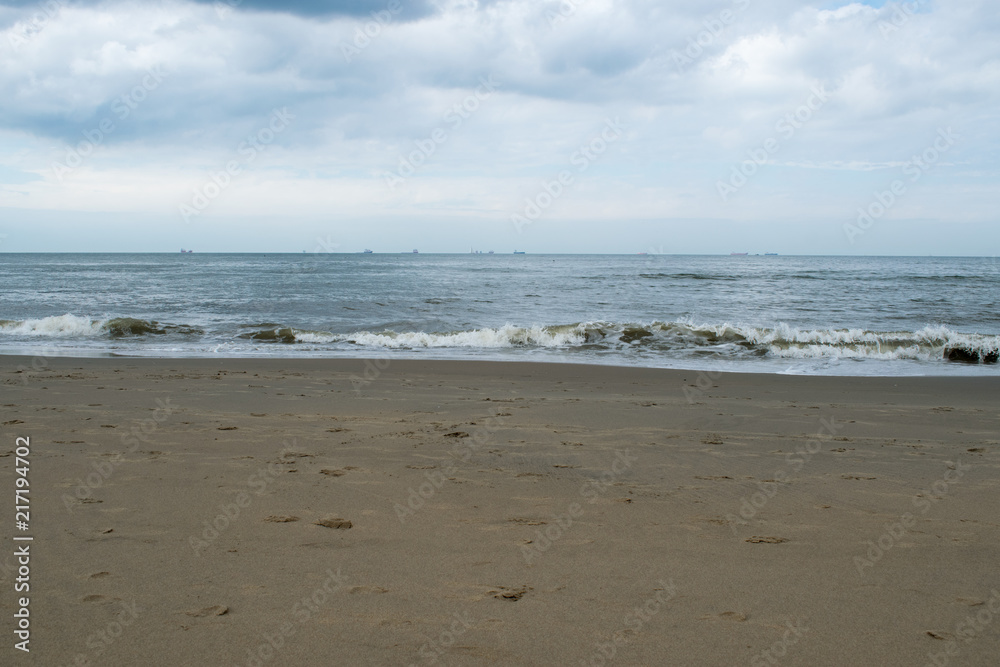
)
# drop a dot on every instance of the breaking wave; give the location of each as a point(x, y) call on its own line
point(681, 339)
point(74, 326)
point(729, 340)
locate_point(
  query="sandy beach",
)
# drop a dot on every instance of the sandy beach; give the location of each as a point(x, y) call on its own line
point(350, 512)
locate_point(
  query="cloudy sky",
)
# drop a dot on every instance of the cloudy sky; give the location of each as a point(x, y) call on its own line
point(577, 126)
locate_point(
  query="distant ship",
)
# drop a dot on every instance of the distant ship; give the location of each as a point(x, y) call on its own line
point(415, 251)
point(770, 254)
point(366, 252)
point(518, 252)
point(184, 252)
point(738, 254)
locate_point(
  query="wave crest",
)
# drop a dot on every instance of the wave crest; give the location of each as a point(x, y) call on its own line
point(679, 339)
point(75, 326)
point(724, 340)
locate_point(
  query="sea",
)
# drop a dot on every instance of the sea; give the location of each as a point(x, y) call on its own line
point(853, 316)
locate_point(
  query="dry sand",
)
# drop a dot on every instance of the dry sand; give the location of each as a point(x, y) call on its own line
point(499, 514)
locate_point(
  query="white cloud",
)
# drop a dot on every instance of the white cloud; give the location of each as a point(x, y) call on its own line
point(560, 77)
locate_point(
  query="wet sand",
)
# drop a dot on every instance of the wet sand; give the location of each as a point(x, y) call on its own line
point(249, 512)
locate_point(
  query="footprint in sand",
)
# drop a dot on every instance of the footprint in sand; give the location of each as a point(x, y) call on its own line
point(725, 616)
point(510, 594)
point(756, 539)
point(98, 599)
point(100, 575)
point(972, 602)
point(368, 589)
point(334, 522)
point(332, 473)
point(214, 610)
point(717, 520)
point(861, 477)
point(281, 519)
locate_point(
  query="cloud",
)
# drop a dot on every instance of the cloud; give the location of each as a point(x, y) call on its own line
point(409, 9)
point(698, 86)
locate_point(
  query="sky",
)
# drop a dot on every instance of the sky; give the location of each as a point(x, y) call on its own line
point(447, 125)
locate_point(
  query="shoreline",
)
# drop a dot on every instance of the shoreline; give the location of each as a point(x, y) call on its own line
point(516, 513)
point(24, 359)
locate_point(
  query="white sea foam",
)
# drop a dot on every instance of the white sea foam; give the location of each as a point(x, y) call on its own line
point(316, 337)
point(782, 341)
point(725, 340)
point(500, 337)
point(61, 326)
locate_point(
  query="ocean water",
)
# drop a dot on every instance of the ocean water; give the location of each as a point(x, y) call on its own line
point(776, 314)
